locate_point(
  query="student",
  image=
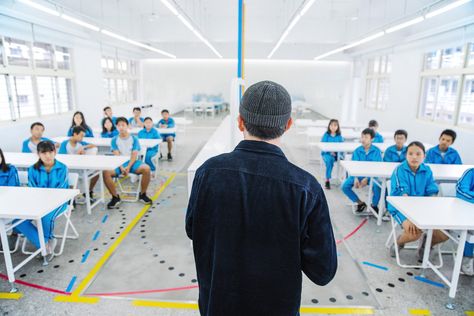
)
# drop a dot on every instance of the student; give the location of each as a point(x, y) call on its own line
point(413, 178)
point(333, 135)
point(125, 144)
point(465, 191)
point(30, 144)
point(46, 173)
point(108, 128)
point(366, 152)
point(167, 122)
point(378, 138)
point(8, 178)
point(397, 152)
point(136, 120)
point(108, 113)
point(79, 120)
point(444, 153)
point(149, 132)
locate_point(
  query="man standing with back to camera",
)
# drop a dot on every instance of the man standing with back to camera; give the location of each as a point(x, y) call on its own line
point(257, 220)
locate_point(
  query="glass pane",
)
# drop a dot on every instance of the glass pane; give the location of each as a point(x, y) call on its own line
point(22, 94)
point(63, 57)
point(120, 94)
point(446, 102)
point(428, 97)
point(371, 93)
point(432, 59)
point(112, 91)
point(389, 64)
point(65, 95)
point(17, 52)
point(370, 66)
point(5, 112)
point(47, 95)
point(43, 55)
point(452, 57)
point(383, 64)
point(1, 51)
point(376, 65)
point(124, 67)
point(133, 90)
point(111, 65)
point(103, 64)
point(466, 112)
point(383, 94)
point(125, 91)
point(470, 56)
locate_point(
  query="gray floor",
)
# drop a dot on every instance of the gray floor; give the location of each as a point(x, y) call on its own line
point(156, 256)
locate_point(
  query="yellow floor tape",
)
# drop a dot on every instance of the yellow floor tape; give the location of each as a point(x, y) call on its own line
point(419, 312)
point(10, 296)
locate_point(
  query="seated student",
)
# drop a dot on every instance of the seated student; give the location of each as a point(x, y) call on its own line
point(333, 135)
point(167, 122)
point(378, 138)
point(76, 146)
point(149, 132)
point(444, 153)
point(413, 178)
point(366, 152)
point(79, 120)
point(108, 113)
point(8, 178)
point(30, 144)
point(108, 128)
point(125, 144)
point(397, 152)
point(46, 173)
point(136, 120)
point(465, 191)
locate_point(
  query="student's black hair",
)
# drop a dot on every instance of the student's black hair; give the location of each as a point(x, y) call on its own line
point(264, 133)
point(43, 147)
point(449, 132)
point(369, 131)
point(121, 119)
point(400, 132)
point(373, 123)
point(78, 129)
point(104, 130)
point(148, 118)
point(338, 131)
point(3, 165)
point(417, 144)
point(106, 108)
point(136, 109)
point(165, 111)
point(36, 124)
point(83, 123)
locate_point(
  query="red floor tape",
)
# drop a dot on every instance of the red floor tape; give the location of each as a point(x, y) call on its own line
point(353, 232)
point(145, 291)
point(35, 286)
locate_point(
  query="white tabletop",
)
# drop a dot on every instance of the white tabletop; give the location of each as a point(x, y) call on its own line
point(435, 212)
point(105, 142)
point(385, 169)
point(136, 130)
point(324, 123)
point(347, 147)
point(32, 203)
point(75, 162)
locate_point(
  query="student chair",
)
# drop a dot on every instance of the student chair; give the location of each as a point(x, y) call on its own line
point(210, 110)
point(134, 178)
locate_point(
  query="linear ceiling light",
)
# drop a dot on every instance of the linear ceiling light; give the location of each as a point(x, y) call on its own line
point(446, 8)
point(80, 22)
point(405, 24)
point(354, 44)
point(189, 25)
point(40, 7)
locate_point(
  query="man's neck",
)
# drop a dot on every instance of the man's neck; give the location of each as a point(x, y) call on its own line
point(124, 135)
point(276, 141)
point(72, 141)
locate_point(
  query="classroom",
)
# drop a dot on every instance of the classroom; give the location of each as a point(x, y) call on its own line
point(237, 158)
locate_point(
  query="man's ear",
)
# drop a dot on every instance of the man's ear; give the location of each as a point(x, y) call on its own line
point(240, 123)
point(289, 124)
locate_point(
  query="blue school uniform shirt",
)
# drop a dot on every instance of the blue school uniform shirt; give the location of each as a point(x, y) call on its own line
point(450, 157)
point(378, 138)
point(152, 134)
point(66, 147)
point(405, 181)
point(125, 145)
point(328, 138)
point(133, 123)
point(56, 178)
point(111, 134)
point(170, 123)
point(465, 186)
point(373, 154)
point(29, 147)
point(392, 154)
point(9, 178)
point(88, 133)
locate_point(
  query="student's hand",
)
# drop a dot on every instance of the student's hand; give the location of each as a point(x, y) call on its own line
point(126, 171)
point(164, 126)
point(364, 182)
point(409, 227)
point(356, 183)
point(333, 154)
point(122, 170)
point(81, 151)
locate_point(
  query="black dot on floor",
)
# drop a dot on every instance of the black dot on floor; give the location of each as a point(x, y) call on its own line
point(104, 243)
point(349, 297)
point(194, 281)
point(153, 207)
point(143, 237)
point(314, 301)
point(171, 268)
point(56, 266)
point(142, 231)
point(365, 293)
point(379, 290)
point(155, 255)
point(142, 225)
point(121, 227)
point(71, 261)
point(401, 279)
point(112, 237)
point(144, 220)
point(410, 273)
point(40, 271)
point(95, 249)
point(118, 233)
point(418, 268)
point(391, 285)
point(157, 204)
point(120, 211)
point(123, 223)
point(146, 215)
point(162, 261)
point(181, 274)
point(22, 275)
point(332, 300)
point(145, 242)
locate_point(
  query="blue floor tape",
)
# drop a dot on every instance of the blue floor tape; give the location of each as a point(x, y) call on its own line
point(71, 284)
point(96, 235)
point(375, 266)
point(422, 279)
point(85, 256)
point(105, 218)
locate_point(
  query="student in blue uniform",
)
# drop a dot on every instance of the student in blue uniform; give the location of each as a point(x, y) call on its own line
point(333, 135)
point(167, 122)
point(397, 152)
point(413, 178)
point(465, 191)
point(108, 113)
point(79, 120)
point(46, 173)
point(366, 152)
point(30, 144)
point(378, 138)
point(136, 120)
point(444, 153)
point(125, 144)
point(8, 173)
point(149, 132)
point(108, 128)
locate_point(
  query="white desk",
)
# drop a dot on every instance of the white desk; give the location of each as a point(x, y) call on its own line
point(84, 163)
point(135, 130)
point(27, 204)
point(325, 123)
point(384, 170)
point(105, 142)
point(443, 213)
point(348, 147)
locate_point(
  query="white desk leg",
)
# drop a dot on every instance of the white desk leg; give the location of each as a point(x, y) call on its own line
point(382, 201)
point(39, 225)
point(456, 270)
point(86, 189)
point(426, 254)
point(7, 256)
point(102, 189)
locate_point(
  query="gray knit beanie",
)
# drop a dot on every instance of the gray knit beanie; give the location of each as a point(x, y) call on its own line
point(266, 104)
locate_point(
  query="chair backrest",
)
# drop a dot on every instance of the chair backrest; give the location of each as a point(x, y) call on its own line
point(73, 179)
point(23, 177)
point(447, 189)
point(389, 186)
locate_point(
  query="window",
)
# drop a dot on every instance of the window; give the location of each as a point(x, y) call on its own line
point(1, 51)
point(65, 94)
point(120, 80)
point(17, 52)
point(63, 57)
point(378, 82)
point(22, 96)
point(43, 55)
point(447, 86)
point(47, 94)
point(5, 111)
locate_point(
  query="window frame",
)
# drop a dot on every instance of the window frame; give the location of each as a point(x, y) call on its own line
point(374, 78)
point(131, 75)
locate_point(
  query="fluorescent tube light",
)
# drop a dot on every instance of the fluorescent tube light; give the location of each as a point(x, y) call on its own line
point(170, 7)
point(307, 6)
point(446, 8)
point(80, 22)
point(405, 24)
point(40, 7)
point(354, 44)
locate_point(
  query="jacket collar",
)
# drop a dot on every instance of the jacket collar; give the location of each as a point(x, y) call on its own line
point(55, 166)
point(421, 169)
point(260, 147)
point(438, 151)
